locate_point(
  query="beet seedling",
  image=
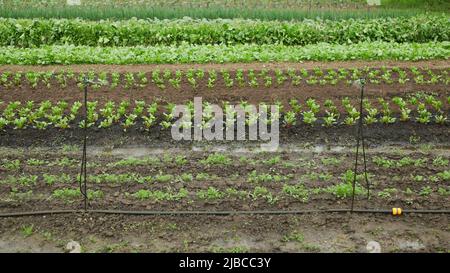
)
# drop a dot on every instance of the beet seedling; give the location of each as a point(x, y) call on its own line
point(253, 81)
point(297, 191)
point(115, 78)
point(290, 119)
point(143, 81)
point(212, 78)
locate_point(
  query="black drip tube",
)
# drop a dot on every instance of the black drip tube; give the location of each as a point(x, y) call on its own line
point(223, 213)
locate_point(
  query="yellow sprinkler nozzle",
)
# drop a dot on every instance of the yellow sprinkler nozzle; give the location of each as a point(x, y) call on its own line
point(396, 211)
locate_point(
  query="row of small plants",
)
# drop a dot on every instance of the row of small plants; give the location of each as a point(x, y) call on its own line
point(419, 182)
point(238, 78)
point(420, 107)
point(258, 189)
point(219, 159)
point(275, 170)
point(257, 177)
point(188, 53)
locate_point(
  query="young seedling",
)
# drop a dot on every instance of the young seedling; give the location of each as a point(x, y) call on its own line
point(212, 78)
point(297, 191)
point(27, 231)
point(290, 119)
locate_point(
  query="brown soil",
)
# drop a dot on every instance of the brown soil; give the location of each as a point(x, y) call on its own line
point(338, 232)
point(398, 133)
point(302, 154)
point(433, 64)
point(233, 175)
point(322, 233)
point(220, 92)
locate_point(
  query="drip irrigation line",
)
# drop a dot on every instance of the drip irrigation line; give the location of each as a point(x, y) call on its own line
point(225, 212)
point(279, 212)
point(360, 137)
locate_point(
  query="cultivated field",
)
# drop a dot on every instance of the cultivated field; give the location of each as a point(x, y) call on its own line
point(140, 69)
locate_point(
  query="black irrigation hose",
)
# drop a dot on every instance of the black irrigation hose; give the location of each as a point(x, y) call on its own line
point(225, 212)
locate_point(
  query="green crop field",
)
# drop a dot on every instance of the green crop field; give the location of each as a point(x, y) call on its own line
point(249, 9)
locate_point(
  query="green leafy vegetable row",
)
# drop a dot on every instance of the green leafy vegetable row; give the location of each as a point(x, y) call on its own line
point(231, 79)
point(420, 108)
point(186, 53)
point(38, 32)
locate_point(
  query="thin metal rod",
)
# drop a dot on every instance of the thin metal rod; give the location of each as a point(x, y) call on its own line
point(363, 143)
point(83, 171)
point(365, 169)
point(360, 136)
point(356, 170)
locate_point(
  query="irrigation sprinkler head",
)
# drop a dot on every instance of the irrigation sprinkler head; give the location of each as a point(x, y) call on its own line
point(359, 82)
point(99, 82)
point(362, 81)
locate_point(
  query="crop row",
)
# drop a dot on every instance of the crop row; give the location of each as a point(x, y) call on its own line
point(275, 164)
point(173, 188)
point(423, 109)
point(36, 33)
point(172, 12)
point(191, 3)
point(339, 182)
point(186, 53)
point(297, 192)
point(237, 78)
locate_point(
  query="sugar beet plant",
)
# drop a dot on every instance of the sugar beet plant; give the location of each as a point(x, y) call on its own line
point(421, 108)
point(240, 78)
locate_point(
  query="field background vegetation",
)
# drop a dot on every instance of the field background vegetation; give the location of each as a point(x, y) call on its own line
point(253, 9)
